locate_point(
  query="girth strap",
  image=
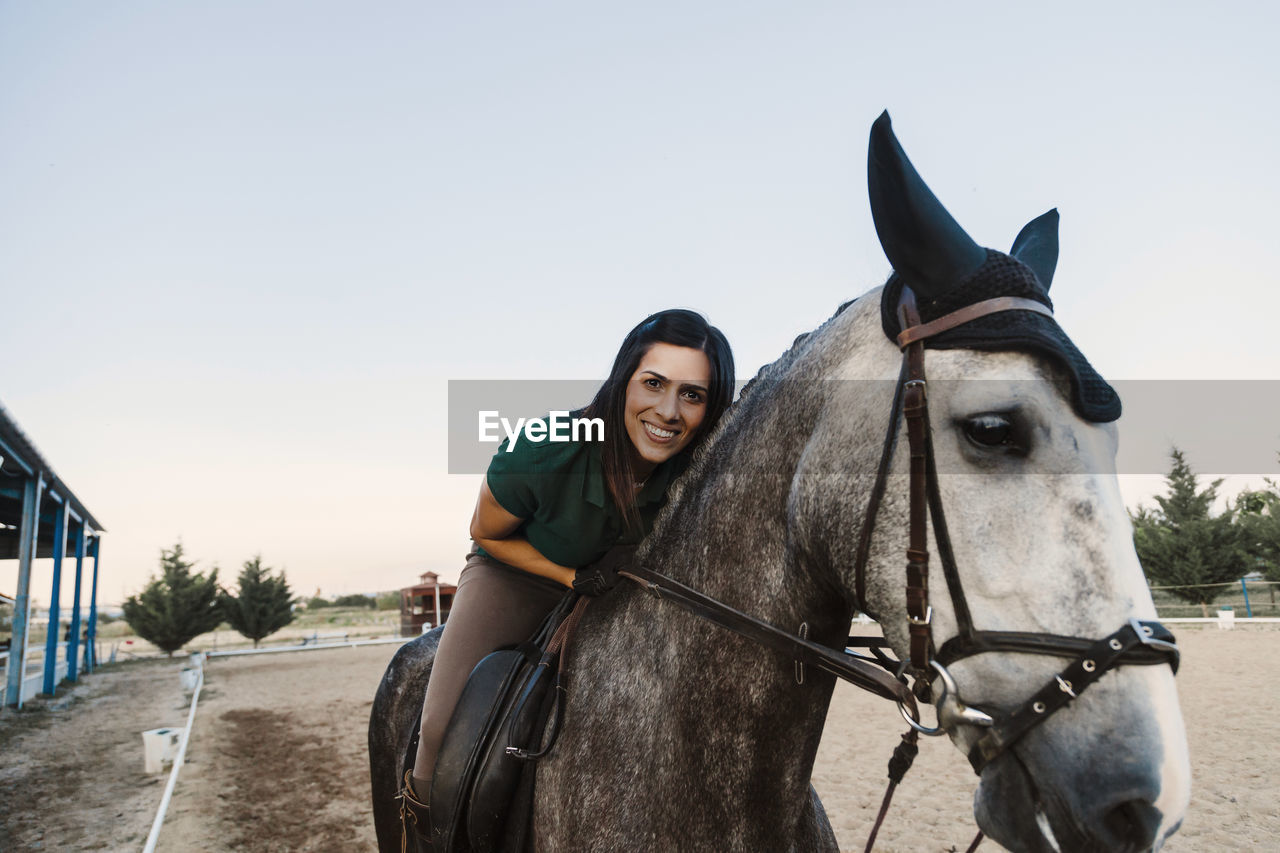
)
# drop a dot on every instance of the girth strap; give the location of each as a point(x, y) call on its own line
point(841, 664)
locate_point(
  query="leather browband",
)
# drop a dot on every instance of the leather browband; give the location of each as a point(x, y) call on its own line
point(970, 312)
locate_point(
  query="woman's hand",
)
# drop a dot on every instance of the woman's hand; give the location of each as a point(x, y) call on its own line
point(601, 576)
point(492, 527)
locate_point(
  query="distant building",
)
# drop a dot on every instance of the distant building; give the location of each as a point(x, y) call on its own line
point(41, 517)
point(425, 605)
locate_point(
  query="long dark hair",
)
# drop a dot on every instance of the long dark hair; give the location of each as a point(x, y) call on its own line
point(679, 327)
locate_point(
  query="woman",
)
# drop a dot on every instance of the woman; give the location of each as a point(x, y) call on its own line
point(558, 515)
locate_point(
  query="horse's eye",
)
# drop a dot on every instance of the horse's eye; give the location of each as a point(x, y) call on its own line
point(990, 430)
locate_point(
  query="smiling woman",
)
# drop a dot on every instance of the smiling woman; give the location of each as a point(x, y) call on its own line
point(553, 515)
point(662, 414)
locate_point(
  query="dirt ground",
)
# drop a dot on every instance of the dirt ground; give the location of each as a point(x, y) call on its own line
point(1229, 687)
point(286, 766)
point(277, 759)
point(71, 777)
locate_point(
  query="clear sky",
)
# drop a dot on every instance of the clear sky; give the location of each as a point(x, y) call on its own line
point(245, 245)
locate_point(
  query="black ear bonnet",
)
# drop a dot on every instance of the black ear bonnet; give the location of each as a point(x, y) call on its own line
point(948, 271)
point(1091, 396)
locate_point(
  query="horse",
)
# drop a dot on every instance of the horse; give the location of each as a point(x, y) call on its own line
point(678, 735)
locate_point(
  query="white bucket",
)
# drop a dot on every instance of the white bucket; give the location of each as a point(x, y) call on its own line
point(160, 746)
point(190, 678)
point(1226, 620)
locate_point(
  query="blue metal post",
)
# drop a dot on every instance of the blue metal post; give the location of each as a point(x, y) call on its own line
point(1248, 611)
point(51, 640)
point(90, 649)
point(32, 491)
point(73, 638)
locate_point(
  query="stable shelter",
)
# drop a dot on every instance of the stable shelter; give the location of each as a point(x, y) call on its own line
point(40, 517)
point(426, 603)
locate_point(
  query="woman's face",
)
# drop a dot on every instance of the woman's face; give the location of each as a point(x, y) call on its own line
point(666, 403)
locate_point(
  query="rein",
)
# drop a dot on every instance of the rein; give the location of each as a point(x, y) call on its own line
point(1137, 642)
point(852, 668)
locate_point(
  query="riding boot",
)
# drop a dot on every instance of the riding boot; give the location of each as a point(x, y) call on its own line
point(415, 819)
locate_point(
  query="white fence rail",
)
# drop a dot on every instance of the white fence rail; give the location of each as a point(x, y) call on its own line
point(178, 760)
point(309, 647)
point(1239, 620)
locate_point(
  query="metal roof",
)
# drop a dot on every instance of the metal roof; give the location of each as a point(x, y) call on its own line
point(19, 461)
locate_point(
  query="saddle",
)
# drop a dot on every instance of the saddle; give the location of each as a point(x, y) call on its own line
point(507, 718)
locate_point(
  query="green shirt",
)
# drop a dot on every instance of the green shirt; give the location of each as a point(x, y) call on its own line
point(558, 488)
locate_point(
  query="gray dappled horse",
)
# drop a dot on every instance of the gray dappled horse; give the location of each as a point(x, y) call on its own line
point(679, 735)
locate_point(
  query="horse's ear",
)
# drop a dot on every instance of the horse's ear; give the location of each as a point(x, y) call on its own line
point(1037, 246)
point(926, 246)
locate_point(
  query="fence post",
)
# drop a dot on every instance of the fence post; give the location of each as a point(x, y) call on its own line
point(1248, 611)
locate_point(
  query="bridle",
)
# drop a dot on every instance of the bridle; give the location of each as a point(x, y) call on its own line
point(1134, 643)
point(1137, 642)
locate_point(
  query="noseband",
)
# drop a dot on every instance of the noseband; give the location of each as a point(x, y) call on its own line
point(1144, 643)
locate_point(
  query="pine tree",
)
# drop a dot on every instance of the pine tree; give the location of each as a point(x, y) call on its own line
point(176, 606)
point(1259, 513)
point(1182, 546)
point(263, 605)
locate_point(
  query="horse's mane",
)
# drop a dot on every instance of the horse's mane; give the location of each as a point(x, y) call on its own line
point(795, 345)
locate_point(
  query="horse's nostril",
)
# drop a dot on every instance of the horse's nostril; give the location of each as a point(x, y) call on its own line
point(1133, 825)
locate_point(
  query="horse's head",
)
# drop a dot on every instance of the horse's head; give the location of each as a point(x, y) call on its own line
point(1024, 450)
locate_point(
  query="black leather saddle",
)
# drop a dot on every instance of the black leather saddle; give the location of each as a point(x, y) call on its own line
point(507, 717)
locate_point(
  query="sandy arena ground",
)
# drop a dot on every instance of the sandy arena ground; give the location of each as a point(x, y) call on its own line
point(277, 760)
point(1229, 686)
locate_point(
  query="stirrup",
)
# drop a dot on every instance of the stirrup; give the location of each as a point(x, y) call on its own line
point(415, 818)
